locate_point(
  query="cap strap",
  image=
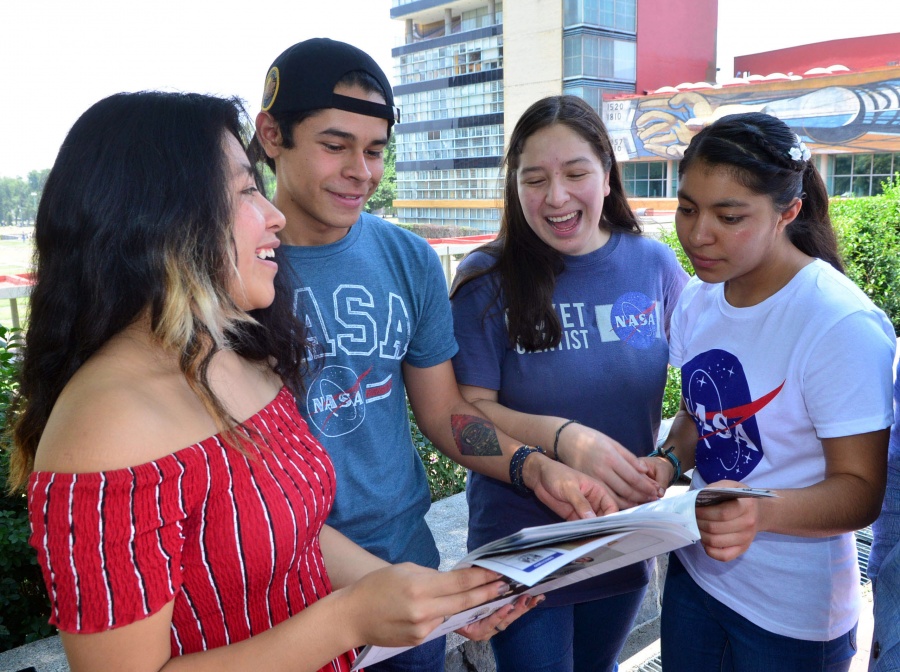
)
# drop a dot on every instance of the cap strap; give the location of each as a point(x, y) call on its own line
point(366, 107)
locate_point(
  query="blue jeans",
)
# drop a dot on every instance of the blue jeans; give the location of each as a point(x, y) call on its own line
point(427, 657)
point(700, 634)
point(886, 642)
point(585, 637)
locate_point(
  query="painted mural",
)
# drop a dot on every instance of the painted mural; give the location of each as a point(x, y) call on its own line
point(857, 112)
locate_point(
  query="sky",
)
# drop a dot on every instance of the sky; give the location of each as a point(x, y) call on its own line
point(58, 57)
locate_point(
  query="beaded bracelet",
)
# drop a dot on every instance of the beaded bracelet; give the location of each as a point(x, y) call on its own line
point(516, 465)
point(556, 440)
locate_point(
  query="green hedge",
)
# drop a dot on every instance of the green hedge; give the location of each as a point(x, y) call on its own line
point(869, 238)
point(24, 606)
point(445, 477)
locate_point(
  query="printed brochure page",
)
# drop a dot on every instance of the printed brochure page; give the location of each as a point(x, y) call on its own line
point(538, 560)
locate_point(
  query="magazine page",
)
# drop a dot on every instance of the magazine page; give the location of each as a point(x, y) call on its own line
point(596, 556)
point(676, 510)
point(541, 559)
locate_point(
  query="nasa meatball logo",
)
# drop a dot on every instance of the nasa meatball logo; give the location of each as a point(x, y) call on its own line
point(336, 400)
point(717, 395)
point(634, 319)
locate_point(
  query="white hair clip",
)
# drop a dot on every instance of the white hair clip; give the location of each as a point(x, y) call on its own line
point(799, 152)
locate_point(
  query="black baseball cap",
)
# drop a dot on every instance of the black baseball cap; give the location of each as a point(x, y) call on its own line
point(303, 77)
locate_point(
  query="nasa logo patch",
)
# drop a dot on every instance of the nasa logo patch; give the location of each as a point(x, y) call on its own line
point(336, 401)
point(717, 395)
point(634, 319)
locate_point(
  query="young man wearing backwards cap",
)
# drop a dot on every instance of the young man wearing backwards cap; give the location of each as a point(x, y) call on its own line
point(374, 299)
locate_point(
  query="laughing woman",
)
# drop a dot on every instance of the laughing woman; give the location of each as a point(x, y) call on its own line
point(564, 318)
point(177, 498)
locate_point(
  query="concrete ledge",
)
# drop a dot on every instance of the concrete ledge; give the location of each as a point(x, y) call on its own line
point(45, 655)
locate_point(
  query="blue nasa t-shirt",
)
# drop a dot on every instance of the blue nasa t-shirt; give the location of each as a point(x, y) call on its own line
point(373, 300)
point(608, 372)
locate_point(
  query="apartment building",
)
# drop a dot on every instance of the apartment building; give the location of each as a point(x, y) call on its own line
point(469, 68)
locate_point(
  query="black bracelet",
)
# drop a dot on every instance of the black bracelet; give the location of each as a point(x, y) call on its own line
point(556, 439)
point(516, 465)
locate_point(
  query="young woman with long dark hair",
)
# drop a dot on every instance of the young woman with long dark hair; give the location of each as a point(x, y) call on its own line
point(177, 498)
point(562, 326)
point(786, 385)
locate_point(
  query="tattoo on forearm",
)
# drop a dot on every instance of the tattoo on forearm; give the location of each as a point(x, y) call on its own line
point(475, 436)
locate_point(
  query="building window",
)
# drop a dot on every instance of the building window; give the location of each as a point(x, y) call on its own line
point(485, 220)
point(455, 59)
point(593, 96)
point(462, 101)
point(451, 143)
point(616, 15)
point(458, 184)
point(862, 174)
point(465, 21)
point(480, 18)
point(644, 179)
point(599, 58)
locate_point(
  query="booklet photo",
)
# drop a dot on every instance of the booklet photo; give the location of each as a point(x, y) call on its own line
point(538, 560)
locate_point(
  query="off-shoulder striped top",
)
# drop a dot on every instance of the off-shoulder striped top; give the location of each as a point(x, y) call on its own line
point(232, 538)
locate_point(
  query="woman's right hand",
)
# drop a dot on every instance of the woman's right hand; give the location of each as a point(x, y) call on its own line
point(567, 492)
point(391, 606)
point(626, 477)
point(401, 604)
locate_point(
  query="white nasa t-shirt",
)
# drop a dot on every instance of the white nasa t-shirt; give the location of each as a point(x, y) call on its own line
point(764, 384)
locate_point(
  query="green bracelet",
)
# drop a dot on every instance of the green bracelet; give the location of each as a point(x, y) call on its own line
point(669, 454)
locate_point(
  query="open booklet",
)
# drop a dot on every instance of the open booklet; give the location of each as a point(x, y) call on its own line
point(537, 560)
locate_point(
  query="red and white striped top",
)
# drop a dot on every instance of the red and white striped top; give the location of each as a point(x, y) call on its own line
point(233, 539)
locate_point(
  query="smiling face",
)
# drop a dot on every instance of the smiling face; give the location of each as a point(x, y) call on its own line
point(734, 235)
point(335, 165)
point(561, 185)
point(256, 223)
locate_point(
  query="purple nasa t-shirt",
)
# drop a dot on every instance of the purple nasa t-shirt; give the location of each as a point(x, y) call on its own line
point(608, 372)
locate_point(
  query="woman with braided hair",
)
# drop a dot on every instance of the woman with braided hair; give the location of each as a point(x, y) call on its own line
point(786, 384)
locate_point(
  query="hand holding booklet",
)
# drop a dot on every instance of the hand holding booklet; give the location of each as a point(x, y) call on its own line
point(538, 560)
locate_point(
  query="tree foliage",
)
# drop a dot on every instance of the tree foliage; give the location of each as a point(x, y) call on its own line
point(445, 477)
point(19, 198)
point(384, 195)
